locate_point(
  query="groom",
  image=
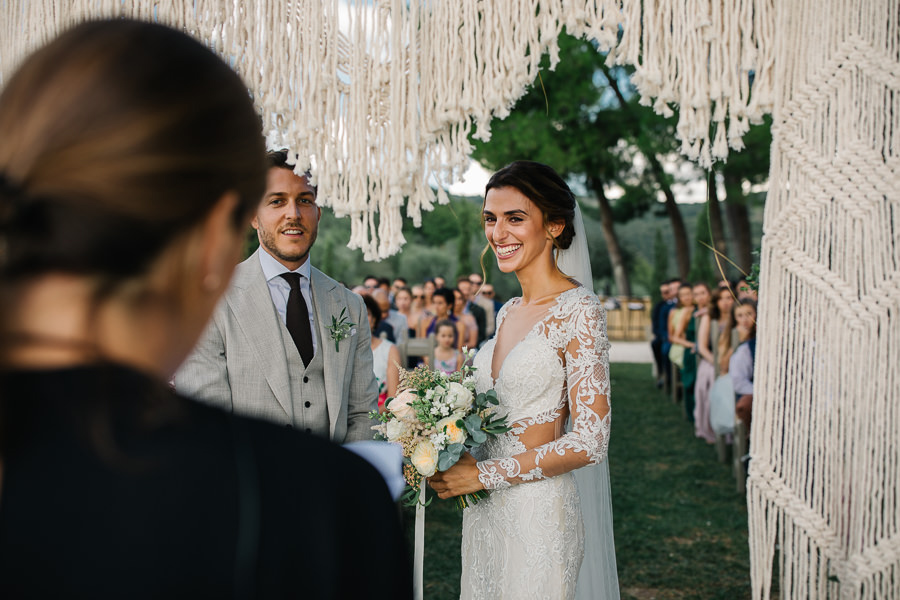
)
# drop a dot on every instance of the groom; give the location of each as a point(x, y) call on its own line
point(272, 349)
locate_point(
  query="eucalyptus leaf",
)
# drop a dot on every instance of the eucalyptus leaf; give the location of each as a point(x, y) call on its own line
point(446, 460)
point(473, 423)
point(456, 450)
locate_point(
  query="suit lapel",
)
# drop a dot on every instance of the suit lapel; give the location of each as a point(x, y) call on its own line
point(327, 303)
point(251, 303)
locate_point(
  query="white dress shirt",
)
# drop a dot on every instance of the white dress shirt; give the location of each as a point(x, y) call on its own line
point(280, 289)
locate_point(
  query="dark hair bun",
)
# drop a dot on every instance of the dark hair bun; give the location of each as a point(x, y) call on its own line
point(564, 239)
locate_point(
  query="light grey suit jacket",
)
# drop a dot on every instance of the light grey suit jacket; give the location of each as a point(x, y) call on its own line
point(239, 363)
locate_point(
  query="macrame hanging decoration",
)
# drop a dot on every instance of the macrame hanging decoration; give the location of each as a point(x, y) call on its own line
point(379, 98)
point(824, 483)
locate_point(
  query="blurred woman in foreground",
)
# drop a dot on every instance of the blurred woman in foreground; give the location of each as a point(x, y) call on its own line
point(130, 161)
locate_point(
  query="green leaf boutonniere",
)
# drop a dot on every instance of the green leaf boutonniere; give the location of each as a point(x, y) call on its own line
point(340, 328)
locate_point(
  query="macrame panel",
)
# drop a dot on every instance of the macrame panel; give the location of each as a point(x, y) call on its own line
point(379, 97)
point(825, 469)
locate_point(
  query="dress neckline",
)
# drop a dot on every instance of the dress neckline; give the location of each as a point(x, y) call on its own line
point(515, 301)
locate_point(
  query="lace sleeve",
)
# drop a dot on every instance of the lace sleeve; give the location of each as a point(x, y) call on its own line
point(586, 358)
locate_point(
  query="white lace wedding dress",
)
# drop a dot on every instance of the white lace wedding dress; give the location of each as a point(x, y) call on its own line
point(526, 540)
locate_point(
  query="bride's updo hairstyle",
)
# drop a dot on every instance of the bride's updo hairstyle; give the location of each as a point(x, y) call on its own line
point(116, 138)
point(546, 189)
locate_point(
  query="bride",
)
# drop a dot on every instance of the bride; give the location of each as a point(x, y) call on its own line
point(545, 530)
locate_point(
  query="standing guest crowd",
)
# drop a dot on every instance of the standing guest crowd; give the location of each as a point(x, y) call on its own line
point(700, 337)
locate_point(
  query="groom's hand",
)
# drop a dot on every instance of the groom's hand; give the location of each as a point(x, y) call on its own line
point(461, 478)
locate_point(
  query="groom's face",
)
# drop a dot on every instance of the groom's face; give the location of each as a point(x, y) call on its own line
point(287, 220)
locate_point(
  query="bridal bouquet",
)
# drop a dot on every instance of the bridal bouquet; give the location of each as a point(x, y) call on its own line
point(435, 418)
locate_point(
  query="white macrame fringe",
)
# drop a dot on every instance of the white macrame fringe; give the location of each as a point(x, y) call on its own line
point(379, 97)
point(824, 485)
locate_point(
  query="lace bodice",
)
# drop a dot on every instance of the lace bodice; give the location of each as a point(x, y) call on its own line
point(560, 367)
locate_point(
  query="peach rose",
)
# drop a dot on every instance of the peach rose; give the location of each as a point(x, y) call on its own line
point(455, 435)
point(424, 458)
point(399, 405)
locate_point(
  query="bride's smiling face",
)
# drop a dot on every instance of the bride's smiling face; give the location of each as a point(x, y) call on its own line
point(514, 228)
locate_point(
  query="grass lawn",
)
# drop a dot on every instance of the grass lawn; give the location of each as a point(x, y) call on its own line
point(680, 526)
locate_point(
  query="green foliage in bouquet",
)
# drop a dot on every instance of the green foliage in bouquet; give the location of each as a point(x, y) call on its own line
point(435, 419)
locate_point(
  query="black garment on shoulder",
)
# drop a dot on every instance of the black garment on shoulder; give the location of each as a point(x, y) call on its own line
point(114, 487)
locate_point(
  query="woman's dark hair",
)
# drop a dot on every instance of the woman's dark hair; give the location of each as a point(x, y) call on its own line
point(714, 312)
point(115, 138)
point(373, 308)
point(446, 294)
point(546, 189)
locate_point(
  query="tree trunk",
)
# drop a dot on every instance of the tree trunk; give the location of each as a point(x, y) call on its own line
point(717, 226)
point(739, 223)
point(679, 232)
point(620, 274)
point(682, 248)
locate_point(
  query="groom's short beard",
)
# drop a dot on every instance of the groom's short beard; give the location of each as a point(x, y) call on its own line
point(267, 241)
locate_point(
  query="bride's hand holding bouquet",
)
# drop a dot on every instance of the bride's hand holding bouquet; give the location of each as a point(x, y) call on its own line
point(459, 480)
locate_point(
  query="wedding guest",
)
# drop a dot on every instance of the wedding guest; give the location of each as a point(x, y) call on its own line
point(384, 284)
point(403, 301)
point(740, 367)
point(398, 283)
point(470, 327)
point(390, 320)
point(286, 344)
point(417, 310)
point(479, 316)
point(673, 286)
point(679, 317)
point(706, 370)
point(428, 288)
point(447, 358)
point(486, 304)
point(659, 326)
point(131, 160)
point(720, 328)
point(443, 300)
point(681, 337)
point(487, 291)
point(744, 291)
point(385, 356)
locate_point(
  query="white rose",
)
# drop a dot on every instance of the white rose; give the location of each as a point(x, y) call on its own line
point(399, 405)
point(455, 435)
point(395, 429)
point(424, 458)
point(459, 396)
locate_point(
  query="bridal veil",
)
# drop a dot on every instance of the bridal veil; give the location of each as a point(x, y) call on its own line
point(597, 578)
